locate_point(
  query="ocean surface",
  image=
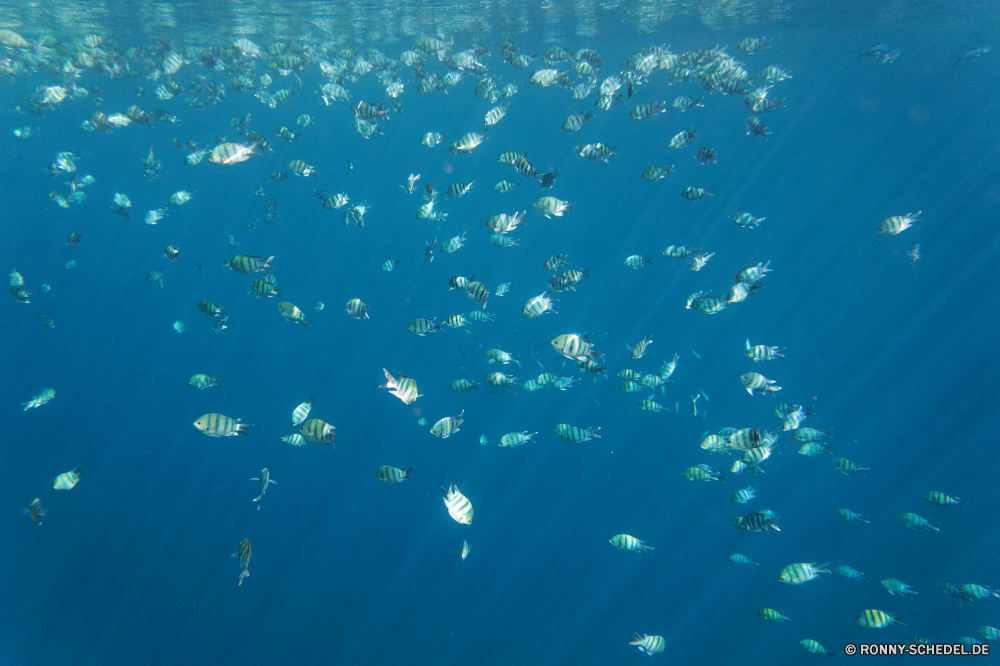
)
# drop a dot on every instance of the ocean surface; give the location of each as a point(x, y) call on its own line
point(897, 358)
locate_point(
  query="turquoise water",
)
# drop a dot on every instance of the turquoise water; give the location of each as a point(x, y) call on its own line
point(133, 565)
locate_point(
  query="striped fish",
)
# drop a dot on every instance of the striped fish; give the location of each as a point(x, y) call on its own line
point(210, 308)
point(814, 647)
point(757, 521)
point(916, 522)
point(875, 619)
point(301, 413)
point(245, 264)
point(801, 572)
point(459, 506)
point(67, 480)
point(467, 142)
point(629, 543)
point(575, 347)
point(851, 573)
point(549, 206)
point(357, 309)
point(513, 439)
point(459, 189)
point(265, 480)
point(390, 265)
point(576, 121)
point(538, 305)
point(264, 289)
point(943, 499)
point(478, 292)
point(447, 426)
point(898, 224)
point(292, 313)
point(35, 511)
point(739, 558)
point(499, 380)
point(423, 326)
point(848, 467)
point(649, 644)
point(640, 348)
point(703, 473)
point(42, 398)
point(300, 168)
point(244, 554)
point(232, 153)
point(294, 440)
point(44, 318)
point(318, 431)
point(203, 381)
point(404, 388)
point(759, 353)
point(390, 475)
point(494, 115)
point(771, 615)
point(219, 425)
point(757, 383)
point(645, 111)
point(849, 516)
point(576, 434)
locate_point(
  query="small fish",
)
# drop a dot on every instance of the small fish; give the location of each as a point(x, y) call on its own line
point(974, 54)
point(265, 480)
point(914, 254)
point(35, 511)
point(447, 426)
point(876, 619)
point(898, 588)
point(466, 549)
point(459, 506)
point(916, 522)
point(739, 558)
point(404, 388)
point(771, 615)
point(815, 648)
point(318, 431)
point(390, 475)
point(244, 556)
point(649, 644)
point(203, 381)
point(219, 425)
point(898, 224)
point(301, 413)
point(801, 572)
point(67, 480)
point(42, 398)
point(630, 544)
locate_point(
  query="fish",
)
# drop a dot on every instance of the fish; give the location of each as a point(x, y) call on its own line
point(943, 499)
point(203, 381)
point(265, 480)
point(513, 439)
point(390, 475)
point(815, 648)
point(244, 556)
point(898, 588)
point(35, 511)
point(873, 618)
point(294, 440)
point(849, 516)
point(447, 426)
point(760, 353)
point(549, 206)
point(301, 413)
point(246, 264)
point(891, 226)
point(459, 506)
point(220, 425)
point(630, 544)
point(577, 434)
point(801, 572)
point(538, 305)
point(42, 398)
point(848, 467)
point(404, 388)
point(850, 573)
point(67, 480)
point(974, 54)
point(771, 615)
point(757, 383)
point(917, 522)
point(292, 313)
point(318, 431)
point(232, 153)
point(357, 309)
point(466, 549)
point(649, 644)
point(423, 326)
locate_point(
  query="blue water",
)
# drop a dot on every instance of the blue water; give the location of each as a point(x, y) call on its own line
point(133, 565)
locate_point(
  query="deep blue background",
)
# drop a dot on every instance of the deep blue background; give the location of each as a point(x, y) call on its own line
point(133, 565)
